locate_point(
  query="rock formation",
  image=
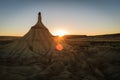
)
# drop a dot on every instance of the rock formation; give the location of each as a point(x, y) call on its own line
point(37, 43)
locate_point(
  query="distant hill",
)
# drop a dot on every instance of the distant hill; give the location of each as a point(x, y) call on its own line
point(96, 36)
point(3, 38)
point(109, 35)
point(117, 35)
point(75, 36)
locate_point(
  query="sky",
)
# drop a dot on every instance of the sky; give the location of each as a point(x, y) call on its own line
point(76, 17)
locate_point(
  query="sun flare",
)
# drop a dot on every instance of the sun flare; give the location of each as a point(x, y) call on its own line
point(59, 33)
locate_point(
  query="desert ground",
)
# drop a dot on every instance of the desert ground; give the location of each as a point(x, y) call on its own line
point(98, 59)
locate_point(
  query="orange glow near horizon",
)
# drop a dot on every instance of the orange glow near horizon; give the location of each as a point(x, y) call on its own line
point(59, 33)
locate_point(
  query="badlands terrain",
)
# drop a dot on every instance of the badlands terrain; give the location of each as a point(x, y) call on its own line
point(96, 58)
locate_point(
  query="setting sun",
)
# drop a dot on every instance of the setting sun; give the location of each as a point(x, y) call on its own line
point(59, 33)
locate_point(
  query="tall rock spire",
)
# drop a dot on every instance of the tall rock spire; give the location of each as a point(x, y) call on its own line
point(39, 38)
point(39, 23)
point(39, 18)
